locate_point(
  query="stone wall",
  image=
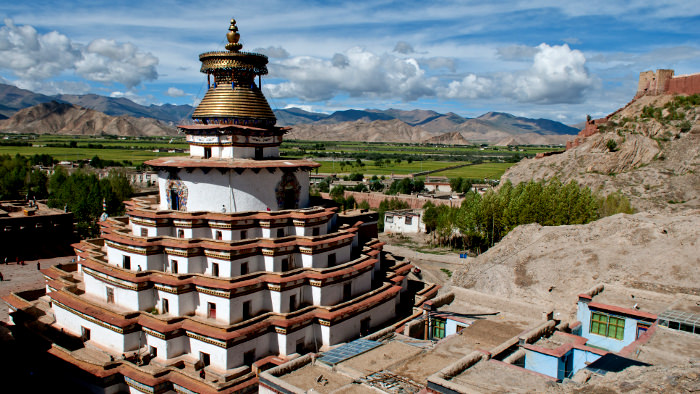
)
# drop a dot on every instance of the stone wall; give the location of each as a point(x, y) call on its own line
point(662, 81)
point(685, 84)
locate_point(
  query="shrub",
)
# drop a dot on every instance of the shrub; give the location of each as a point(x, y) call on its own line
point(611, 145)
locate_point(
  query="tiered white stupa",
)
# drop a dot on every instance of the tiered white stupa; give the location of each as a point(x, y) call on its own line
point(230, 269)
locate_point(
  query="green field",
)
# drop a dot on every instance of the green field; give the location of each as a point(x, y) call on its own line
point(483, 170)
point(73, 154)
point(328, 153)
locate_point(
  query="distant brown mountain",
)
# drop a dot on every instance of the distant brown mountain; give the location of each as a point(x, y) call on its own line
point(453, 138)
point(379, 130)
point(62, 118)
point(394, 125)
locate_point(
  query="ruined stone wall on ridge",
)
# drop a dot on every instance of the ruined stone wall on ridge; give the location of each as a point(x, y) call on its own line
point(654, 83)
point(684, 84)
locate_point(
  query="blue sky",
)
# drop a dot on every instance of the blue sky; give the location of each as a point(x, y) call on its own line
point(531, 58)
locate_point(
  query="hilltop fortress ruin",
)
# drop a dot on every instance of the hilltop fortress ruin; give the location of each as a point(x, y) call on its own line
point(651, 83)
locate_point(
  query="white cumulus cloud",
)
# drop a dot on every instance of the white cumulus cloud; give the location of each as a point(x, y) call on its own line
point(558, 75)
point(175, 92)
point(356, 72)
point(35, 57)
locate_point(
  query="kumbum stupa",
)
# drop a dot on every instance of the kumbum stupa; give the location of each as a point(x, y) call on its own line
point(227, 272)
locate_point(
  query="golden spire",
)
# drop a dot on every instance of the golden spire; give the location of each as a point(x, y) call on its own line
point(233, 36)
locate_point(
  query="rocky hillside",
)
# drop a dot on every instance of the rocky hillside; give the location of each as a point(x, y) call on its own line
point(552, 264)
point(62, 118)
point(651, 155)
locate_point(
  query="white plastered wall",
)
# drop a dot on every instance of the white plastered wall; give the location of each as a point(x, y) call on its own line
point(237, 193)
point(131, 299)
point(320, 260)
point(168, 348)
point(102, 336)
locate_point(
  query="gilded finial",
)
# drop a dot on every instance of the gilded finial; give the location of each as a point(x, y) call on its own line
point(233, 36)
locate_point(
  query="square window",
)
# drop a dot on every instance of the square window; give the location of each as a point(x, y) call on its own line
point(608, 326)
point(409, 220)
point(180, 233)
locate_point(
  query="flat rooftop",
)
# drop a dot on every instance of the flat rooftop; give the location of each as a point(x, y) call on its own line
point(668, 347)
point(496, 376)
point(15, 209)
point(646, 301)
point(322, 379)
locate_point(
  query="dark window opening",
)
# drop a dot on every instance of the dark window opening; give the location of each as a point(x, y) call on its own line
point(153, 351)
point(300, 346)
point(244, 268)
point(166, 306)
point(174, 200)
point(290, 199)
point(285, 265)
point(211, 310)
point(173, 266)
point(219, 236)
point(258, 153)
point(347, 291)
point(207, 153)
point(204, 358)
point(144, 232)
point(364, 326)
point(84, 334)
point(246, 310)
point(280, 232)
point(316, 231)
point(249, 357)
point(331, 259)
point(181, 233)
point(110, 295)
point(244, 234)
point(126, 262)
point(215, 269)
point(292, 303)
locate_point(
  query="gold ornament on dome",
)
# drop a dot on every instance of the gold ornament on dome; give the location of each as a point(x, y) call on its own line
point(233, 36)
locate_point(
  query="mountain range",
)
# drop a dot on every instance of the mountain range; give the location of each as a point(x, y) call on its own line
point(391, 125)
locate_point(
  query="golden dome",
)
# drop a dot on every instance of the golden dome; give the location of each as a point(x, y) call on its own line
point(234, 97)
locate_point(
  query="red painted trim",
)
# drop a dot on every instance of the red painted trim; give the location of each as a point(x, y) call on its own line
point(620, 310)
